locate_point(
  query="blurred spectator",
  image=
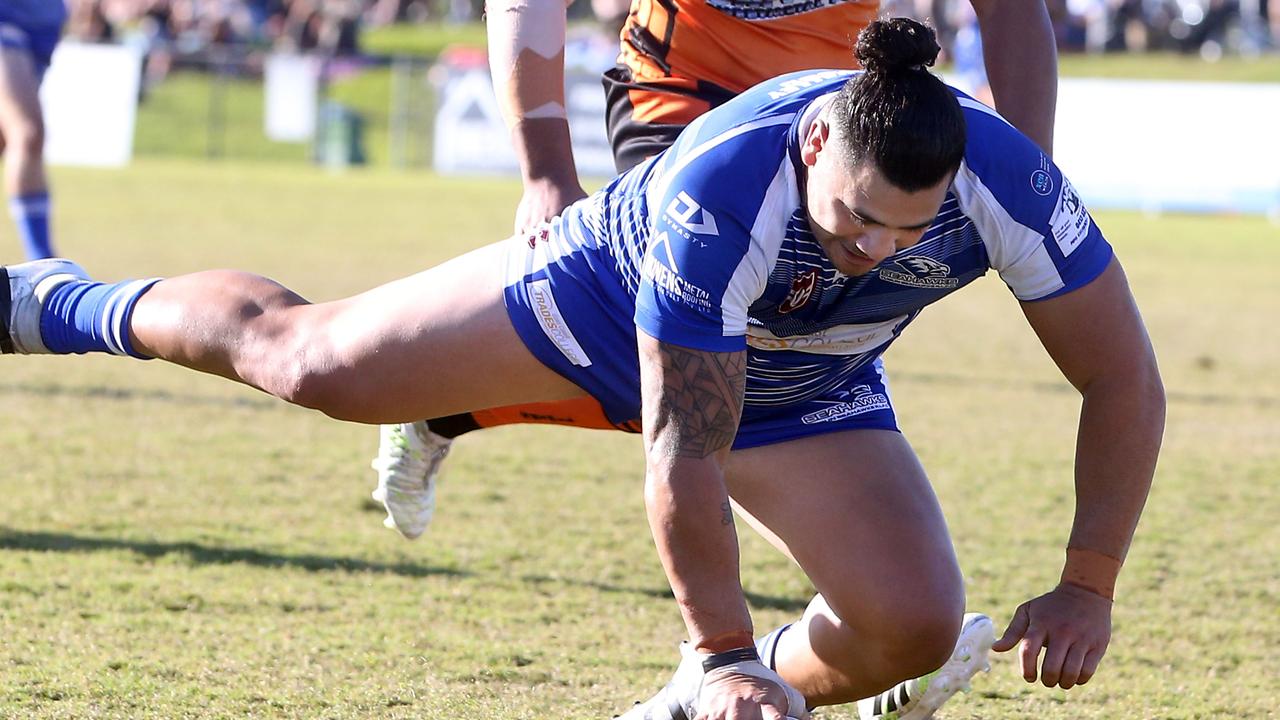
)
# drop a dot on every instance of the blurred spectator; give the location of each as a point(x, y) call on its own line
point(29, 31)
point(169, 30)
point(189, 27)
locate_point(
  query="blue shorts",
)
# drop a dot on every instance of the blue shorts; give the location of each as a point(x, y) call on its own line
point(39, 42)
point(572, 310)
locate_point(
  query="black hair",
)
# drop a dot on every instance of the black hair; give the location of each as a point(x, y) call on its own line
point(897, 114)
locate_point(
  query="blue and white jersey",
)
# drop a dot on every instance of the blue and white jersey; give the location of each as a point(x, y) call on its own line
point(33, 14)
point(713, 240)
point(708, 246)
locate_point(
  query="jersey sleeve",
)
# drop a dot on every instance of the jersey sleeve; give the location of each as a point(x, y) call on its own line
point(703, 266)
point(1038, 234)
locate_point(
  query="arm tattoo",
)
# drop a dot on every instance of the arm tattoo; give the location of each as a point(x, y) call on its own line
point(698, 402)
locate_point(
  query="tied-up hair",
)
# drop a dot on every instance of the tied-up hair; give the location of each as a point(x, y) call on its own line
point(897, 114)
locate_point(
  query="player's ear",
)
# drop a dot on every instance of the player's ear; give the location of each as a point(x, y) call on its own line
point(815, 141)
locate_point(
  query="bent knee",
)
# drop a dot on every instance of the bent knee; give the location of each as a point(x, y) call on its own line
point(921, 645)
point(909, 634)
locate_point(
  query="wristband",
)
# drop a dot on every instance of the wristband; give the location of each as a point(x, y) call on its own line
point(731, 640)
point(715, 661)
point(1092, 571)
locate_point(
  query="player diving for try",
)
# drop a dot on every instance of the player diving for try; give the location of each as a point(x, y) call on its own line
point(743, 324)
point(679, 59)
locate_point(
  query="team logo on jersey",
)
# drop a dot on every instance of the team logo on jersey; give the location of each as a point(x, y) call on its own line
point(1070, 221)
point(861, 399)
point(801, 291)
point(920, 271)
point(688, 214)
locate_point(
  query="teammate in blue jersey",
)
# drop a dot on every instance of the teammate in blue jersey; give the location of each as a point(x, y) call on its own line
point(735, 294)
point(29, 30)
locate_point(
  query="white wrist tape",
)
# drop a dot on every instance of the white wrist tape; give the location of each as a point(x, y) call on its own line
point(797, 709)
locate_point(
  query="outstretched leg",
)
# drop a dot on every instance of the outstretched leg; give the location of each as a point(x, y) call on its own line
point(361, 359)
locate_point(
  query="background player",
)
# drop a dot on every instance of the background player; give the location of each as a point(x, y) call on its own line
point(745, 324)
point(29, 30)
point(678, 60)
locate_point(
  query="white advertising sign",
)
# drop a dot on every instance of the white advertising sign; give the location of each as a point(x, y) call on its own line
point(292, 86)
point(1171, 145)
point(471, 137)
point(90, 103)
point(1197, 147)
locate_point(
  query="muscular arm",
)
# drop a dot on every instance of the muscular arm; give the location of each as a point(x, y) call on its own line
point(526, 59)
point(1021, 56)
point(692, 403)
point(1096, 337)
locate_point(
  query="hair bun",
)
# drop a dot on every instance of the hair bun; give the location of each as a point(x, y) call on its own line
point(887, 46)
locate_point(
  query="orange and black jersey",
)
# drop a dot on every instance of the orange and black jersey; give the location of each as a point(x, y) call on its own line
point(680, 58)
point(735, 44)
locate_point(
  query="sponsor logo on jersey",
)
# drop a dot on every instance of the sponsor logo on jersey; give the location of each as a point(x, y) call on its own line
point(838, 340)
point(685, 212)
point(795, 85)
point(862, 399)
point(661, 270)
point(553, 324)
point(920, 271)
point(764, 9)
point(801, 291)
point(1041, 182)
point(1070, 220)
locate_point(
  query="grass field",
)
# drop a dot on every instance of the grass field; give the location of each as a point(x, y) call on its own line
point(172, 546)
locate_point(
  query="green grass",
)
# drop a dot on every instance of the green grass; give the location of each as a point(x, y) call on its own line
point(172, 545)
point(1172, 66)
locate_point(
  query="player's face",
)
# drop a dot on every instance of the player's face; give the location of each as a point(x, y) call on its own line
point(857, 216)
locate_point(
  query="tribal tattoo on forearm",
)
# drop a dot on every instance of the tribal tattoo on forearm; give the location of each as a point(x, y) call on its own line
point(698, 403)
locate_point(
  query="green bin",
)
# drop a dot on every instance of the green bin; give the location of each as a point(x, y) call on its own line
point(341, 137)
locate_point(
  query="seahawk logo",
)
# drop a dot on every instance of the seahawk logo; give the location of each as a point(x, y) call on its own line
point(920, 271)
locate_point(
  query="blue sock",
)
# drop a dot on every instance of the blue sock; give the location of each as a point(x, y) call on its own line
point(31, 215)
point(85, 316)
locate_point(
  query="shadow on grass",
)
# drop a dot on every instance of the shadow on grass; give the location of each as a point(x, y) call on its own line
point(99, 392)
point(200, 554)
point(116, 394)
point(770, 602)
